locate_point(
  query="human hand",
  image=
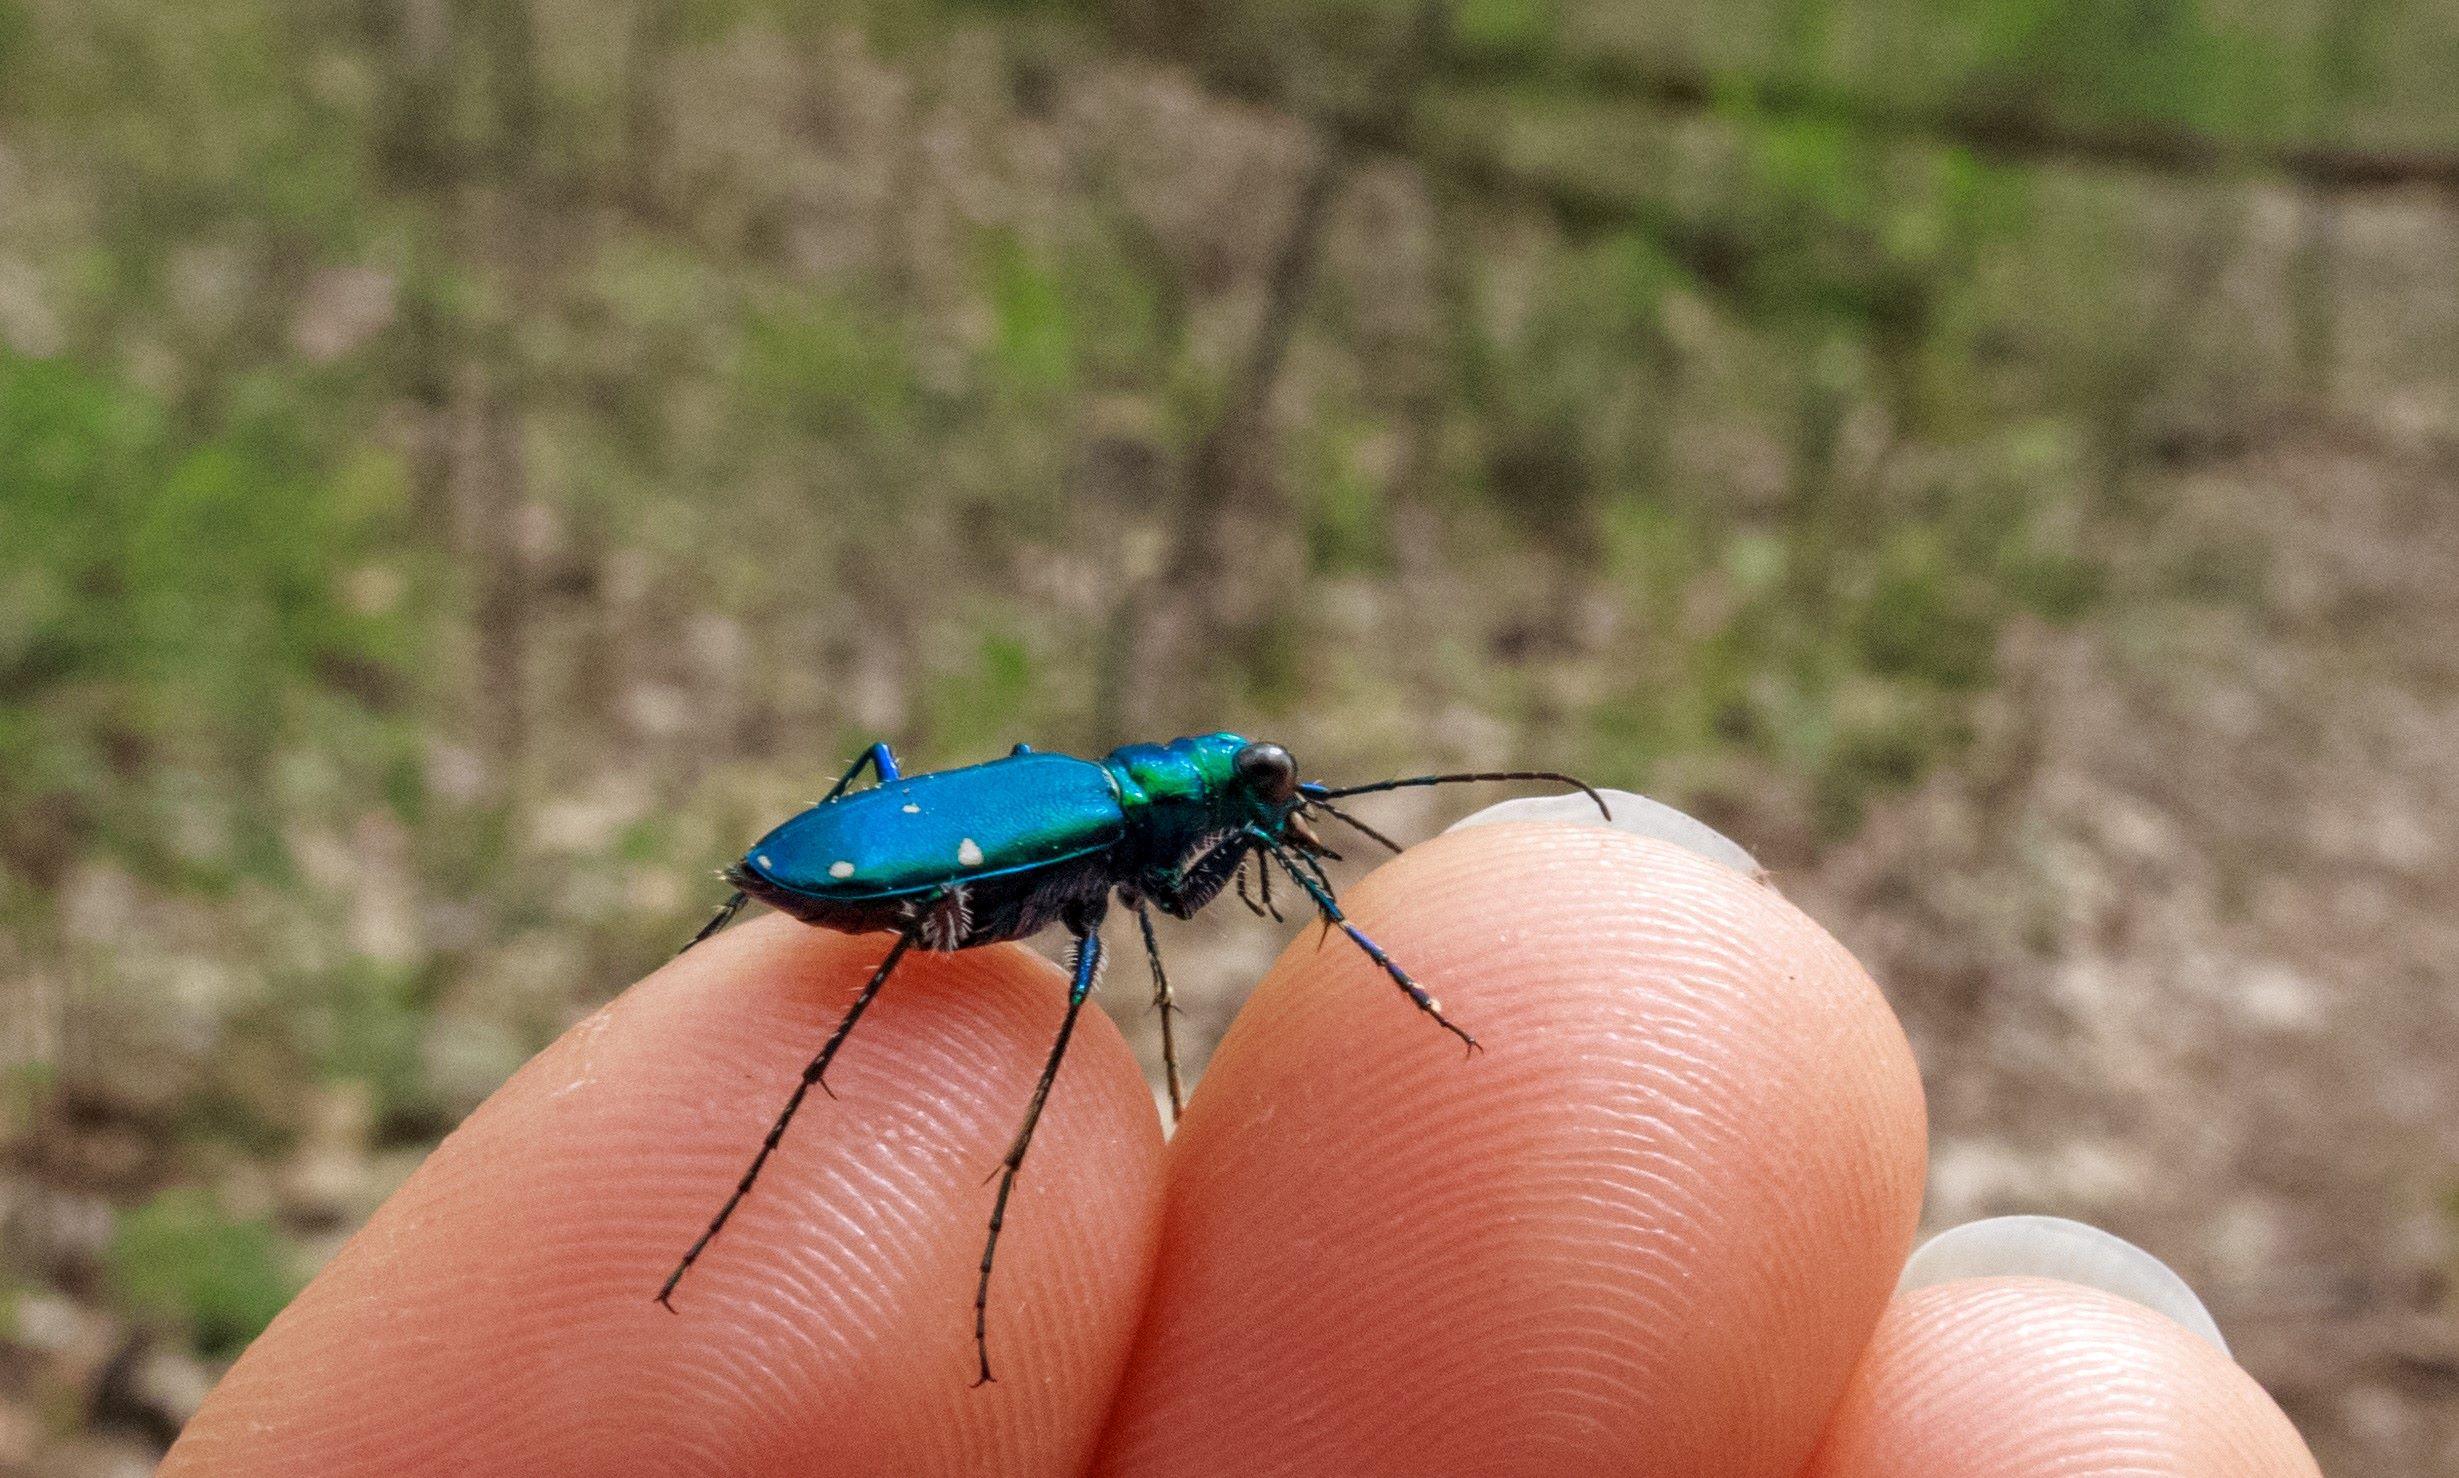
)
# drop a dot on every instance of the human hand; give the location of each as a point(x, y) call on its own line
point(1654, 1228)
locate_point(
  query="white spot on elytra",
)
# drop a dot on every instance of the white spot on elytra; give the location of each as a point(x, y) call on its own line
point(912, 810)
point(762, 859)
point(840, 869)
point(968, 854)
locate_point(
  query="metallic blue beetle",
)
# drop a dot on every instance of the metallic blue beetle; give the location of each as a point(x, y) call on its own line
point(1003, 850)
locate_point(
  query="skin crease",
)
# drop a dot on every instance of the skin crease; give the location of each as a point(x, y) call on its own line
point(2025, 1378)
point(1649, 1230)
point(495, 1316)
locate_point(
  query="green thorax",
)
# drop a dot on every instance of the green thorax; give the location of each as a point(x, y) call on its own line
point(1179, 793)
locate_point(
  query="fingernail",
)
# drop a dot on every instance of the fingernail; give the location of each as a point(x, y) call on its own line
point(2069, 1251)
point(1632, 813)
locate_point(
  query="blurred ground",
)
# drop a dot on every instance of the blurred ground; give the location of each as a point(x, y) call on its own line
point(2178, 963)
point(465, 468)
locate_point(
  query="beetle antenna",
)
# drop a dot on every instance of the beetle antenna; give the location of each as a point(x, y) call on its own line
point(1320, 794)
point(1337, 814)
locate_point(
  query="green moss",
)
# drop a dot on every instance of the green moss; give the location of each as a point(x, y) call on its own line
point(983, 704)
point(1925, 617)
point(1347, 529)
point(181, 1258)
point(366, 1023)
point(1034, 329)
point(819, 364)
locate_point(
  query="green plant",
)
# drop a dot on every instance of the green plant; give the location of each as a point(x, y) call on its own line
point(181, 1258)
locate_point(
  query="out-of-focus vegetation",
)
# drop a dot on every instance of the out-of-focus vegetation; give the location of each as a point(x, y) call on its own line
point(466, 466)
point(180, 1258)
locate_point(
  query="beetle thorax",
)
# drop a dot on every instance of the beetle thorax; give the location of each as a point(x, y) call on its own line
point(1181, 796)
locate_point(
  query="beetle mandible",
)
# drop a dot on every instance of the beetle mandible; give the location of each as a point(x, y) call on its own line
point(1000, 851)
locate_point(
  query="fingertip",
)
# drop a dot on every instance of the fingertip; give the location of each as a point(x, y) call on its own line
point(1663, 1207)
point(2029, 1378)
point(499, 1314)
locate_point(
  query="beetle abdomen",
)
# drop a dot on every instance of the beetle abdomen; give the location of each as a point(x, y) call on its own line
point(931, 833)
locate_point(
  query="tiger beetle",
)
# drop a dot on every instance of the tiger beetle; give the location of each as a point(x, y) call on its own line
point(1003, 850)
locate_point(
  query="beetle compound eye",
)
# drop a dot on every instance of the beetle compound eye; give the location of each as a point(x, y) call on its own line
point(1268, 770)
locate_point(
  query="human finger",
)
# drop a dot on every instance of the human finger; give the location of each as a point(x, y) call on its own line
point(2030, 1378)
point(1646, 1230)
point(496, 1316)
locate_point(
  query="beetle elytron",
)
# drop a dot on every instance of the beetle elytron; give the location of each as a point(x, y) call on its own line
point(1002, 850)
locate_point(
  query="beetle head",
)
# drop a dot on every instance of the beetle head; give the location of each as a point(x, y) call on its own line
point(1267, 773)
point(1266, 779)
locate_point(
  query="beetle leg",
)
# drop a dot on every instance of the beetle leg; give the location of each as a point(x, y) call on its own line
point(1333, 916)
point(1167, 1006)
point(814, 1073)
point(725, 915)
point(1088, 967)
point(1311, 865)
point(1264, 879)
point(1183, 894)
point(1307, 861)
point(879, 757)
point(946, 923)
